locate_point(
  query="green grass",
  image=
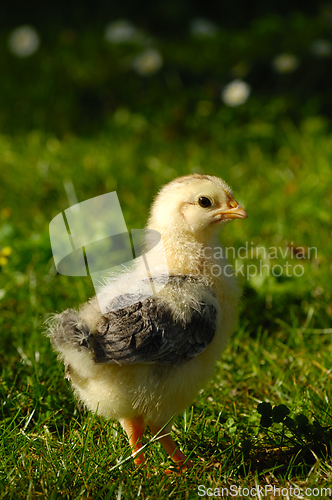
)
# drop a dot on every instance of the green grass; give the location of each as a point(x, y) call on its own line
point(50, 447)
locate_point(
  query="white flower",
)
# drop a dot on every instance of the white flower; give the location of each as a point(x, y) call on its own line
point(120, 31)
point(201, 27)
point(148, 62)
point(235, 93)
point(23, 41)
point(285, 63)
point(321, 48)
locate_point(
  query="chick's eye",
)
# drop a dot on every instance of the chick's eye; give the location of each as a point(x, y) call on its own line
point(204, 202)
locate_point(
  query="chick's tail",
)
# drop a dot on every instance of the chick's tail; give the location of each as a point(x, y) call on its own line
point(67, 331)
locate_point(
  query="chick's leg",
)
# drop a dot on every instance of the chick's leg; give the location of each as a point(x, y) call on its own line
point(135, 428)
point(171, 447)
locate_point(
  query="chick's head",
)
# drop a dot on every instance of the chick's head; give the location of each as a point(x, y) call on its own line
point(194, 204)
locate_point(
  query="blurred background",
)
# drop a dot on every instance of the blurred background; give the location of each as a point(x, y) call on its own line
point(69, 66)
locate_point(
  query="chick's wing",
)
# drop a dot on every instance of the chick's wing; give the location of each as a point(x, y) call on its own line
point(147, 332)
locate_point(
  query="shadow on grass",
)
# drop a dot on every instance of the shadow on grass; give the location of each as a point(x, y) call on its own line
point(287, 447)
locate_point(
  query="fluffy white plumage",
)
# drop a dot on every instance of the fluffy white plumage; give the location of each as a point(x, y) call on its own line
point(144, 363)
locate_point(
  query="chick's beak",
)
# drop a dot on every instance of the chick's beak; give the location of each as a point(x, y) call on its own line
point(234, 211)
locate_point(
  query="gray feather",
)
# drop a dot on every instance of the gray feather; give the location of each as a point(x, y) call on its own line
point(147, 331)
point(67, 329)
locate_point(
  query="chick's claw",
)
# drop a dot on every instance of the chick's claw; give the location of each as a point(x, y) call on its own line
point(170, 446)
point(134, 428)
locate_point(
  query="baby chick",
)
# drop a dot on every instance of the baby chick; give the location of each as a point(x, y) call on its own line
point(144, 362)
